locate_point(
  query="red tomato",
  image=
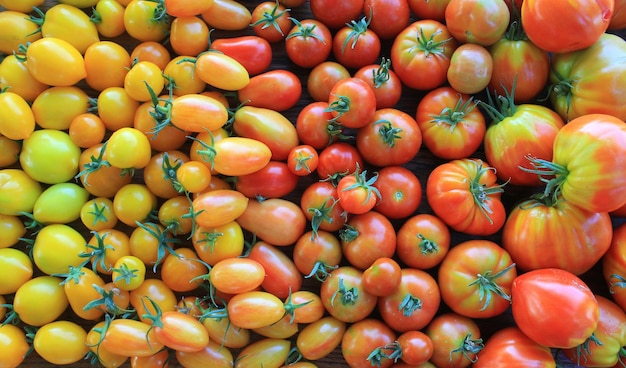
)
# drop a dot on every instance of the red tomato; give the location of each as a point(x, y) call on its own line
point(317, 254)
point(336, 15)
point(278, 221)
point(456, 340)
point(400, 191)
point(467, 23)
point(337, 160)
point(323, 77)
point(302, 160)
point(387, 17)
point(511, 346)
point(315, 127)
point(423, 241)
point(363, 337)
point(382, 277)
point(367, 237)
point(271, 20)
point(471, 66)
point(278, 90)
point(275, 180)
point(355, 45)
point(308, 43)
point(253, 52)
point(352, 102)
point(435, 10)
point(553, 297)
point(343, 295)
point(320, 205)
point(384, 81)
point(356, 192)
point(411, 347)
point(281, 275)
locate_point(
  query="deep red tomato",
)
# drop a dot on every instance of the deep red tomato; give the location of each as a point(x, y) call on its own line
point(400, 191)
point(456, 340)
point(281, 275)
point(387, 17)
point(553, 297)
point(278, 221)
point(477, 21)
point(413, 304)
point(320, 204)
point(334, 14)
point(253, 52)
point(511, 346)
point(567, 26)
point(308, 43)
point(315, 126)
point(278, 90)
point(337, 160)
point(343, 295)
point(273, 181)
point(423, 241)
point(384, 81)
point(361, 339)
point(352, 102)
point(367, 237)
point(382, 277)
point(355, 45)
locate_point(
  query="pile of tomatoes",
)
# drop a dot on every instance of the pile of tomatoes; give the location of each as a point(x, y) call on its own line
point(371, 183)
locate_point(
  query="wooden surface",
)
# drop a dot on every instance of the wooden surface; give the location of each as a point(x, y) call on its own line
point(421, 165)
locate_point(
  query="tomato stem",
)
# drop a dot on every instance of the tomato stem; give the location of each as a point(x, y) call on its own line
point(107, 302)
point(357, 29)
point(409, 305)
point(428, 45)
point(348, 296)
point(487, 286)
point(388, 133)
point(304, 31)
point(552, 174)
point(453, 116)
point(469, 346)
point(290, 307)
point(481, 192)
point(269, 19)
point(378, 355)
point(163, 238)
point(320, 214)
point(427, 246)
point(621, 282)
point(321, 271)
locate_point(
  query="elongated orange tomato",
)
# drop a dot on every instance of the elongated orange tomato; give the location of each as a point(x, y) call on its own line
point(197, 113)
point(186, 8)
point(234, 156)
point(221, 71)
point(255, 309)
point(237, 275)
point(218, 207)
point(17, 120)
point(181, 331)
point(227, 15)
point(213, 355)
point(131, 338)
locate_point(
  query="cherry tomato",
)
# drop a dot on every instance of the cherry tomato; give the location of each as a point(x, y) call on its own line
point(281, 275)
point(253, 52)
point(344, 297)
point(308, 43)
point(61, 342)
point(14, 345)
point(17, 268)
point(144, 21)
point(55, 62)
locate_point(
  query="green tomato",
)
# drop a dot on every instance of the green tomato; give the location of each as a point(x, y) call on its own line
point(60, 203)
point(18, 192)
point(49, 156)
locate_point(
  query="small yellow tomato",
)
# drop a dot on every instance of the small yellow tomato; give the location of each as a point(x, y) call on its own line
point(60, 203)
point(143, 77)
point(128, 148)
point(27, 302)
point(15, 269)
point(61, 342)
point(12, 229)
point(17, 120)
point(57, 247)
point(18, 192)
point(98, 214)
point(55, 107)
point(129, 272)
point(14, 74)
point(13, 346)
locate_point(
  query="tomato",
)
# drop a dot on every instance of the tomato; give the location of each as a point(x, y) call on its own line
point(323, 77)
point(577, 86)
point(99, 354)
point(413, 304)
point(249, 273)
point(255, 309)
point(604, 348)
point(302, 160)
point(318, 339)
point(482, 22)
point(213, 244)
point(97, 176)
point(61, 342)
point(382, 277)
point(153, 52)
point(532, 221)
point(234, 156)
point(128, 337)
point(221, 331)
point(124, 141)
point(55, 62)
point(133, 203)
point(106, 247)
point(97, 214)
point(335, 15)
point(55, 107)
point(12, 229)
point(267, 126)
point(429, 9)
point(277, 90)
point(511, 346)
point(221, 71)
point(87, 130)
point(343, 295)
point(559, 295)
point(315, 127)
point(145, 21)
point(189, 35)
point(387, 18)
point(46, 146)
point(253, 52)
point(471, 66)
point(178, 331)
point(158, 292)
point(411, 347)
point(352, 102)
point(579, 25)
point(218, 207)
point(401, 192)
point(197, 113)
point(14, 346)
point(81, 286)
point(108, 16)
point(181, 271)
point(456, 340)
point(107, 64)
point(465, 195)
point(356, 192)
point(367, 237)
point(17, 268)
point(424, 45)
point(69, 23)
point(57, 247)
point(283, 329)
point(316, 254)
point(271, 20)
point(27, 300)
point(19, 192)
point(423, 240)
point(355, 45)
point(583, 181)
point(338, 159)
point(304, 307)
point(361, 338)
point(213, 355)
point(308, 43)
point(614, 267)
point(181, 75)
point(143, 77)
point(182, 8)
point(391, 137)
point(116, 108)
point(128, 272)
point(275, 180)
point(60, 203)
point(15, 73)
point(451, 125)
point(9, 151)
point(20, 6)
point(281, 275)
point(174, 215)
point(160, 173)
point(17, 120)
point(227, 15)
point(384, 81)
point(20, 30)
point(278, 221)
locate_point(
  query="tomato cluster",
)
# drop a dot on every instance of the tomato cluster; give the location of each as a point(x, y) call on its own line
point(290, 183)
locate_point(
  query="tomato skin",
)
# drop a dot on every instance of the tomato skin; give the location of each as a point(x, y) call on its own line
point(267, 352)
point(221, 71)
point(14, 346)
point(219, 207)
point(140, 76)
point(132, 264)
point(588, 21)
point(323, 77)
point(116, 108)
point(155, 290)
point(213, 244)
point(255, 309)
point(271, 20)
point(277, 90)
point(110, 18)
point(277, 221)
point(471, 68)
point(451, 198)
point(55, 107)
point(618, 19)
point(20, 30)
point(313, 126)
point(57, 247)
point(318, 339)
point(60, 203)
point(61, 342)
point(559, 295)
point(481, 22)
point(281, 275)
point(423, 241)
point(388, 17)
point(181, 272)
point(12, 229)
point(240, 156)
point(367, 237)
point(19, 192)
point(338, 159)
point(38, 314)
point(47, 146)
point(189, 35)
point(15, 73)
point(429, 9)
point(106, 181)
point(17, 268)
point(275, 180)
point(213, 355)
point(70, 24)
point(614, 266)
point(308, 43)
point(336, 15)
point(17, 120)
point(343, 295)
point(197, 113)
point(227, 15)
point(55, 62)
point(131, 338)
point(361, 338)
point(253, 52)
point(314, 252)
point(384, 81)
point(510, 346)
point(139, 21)
point(401, 192)
point(181, 332)
point(248, 272)
point(182, 75)
point(352, 102)
point(382, 277)
point(424, 297)
point(355, 45)
point(456, 340)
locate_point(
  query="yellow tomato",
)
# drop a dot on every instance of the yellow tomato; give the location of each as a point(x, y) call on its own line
point(55, 62)
point(56, 107)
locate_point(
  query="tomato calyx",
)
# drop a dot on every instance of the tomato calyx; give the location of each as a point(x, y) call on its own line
point(341, 106)
point(107, 303)
point(321, 271)
point(269, 19)
point(388, 132)
point(346, 296)
point(156, 317)
point(480, 192)
point(164, 241)
point(501, 107)
point(620, 282)
point(381, 75)
point(428, 45)
point(160, 15)
point(73, 274)
point(550, 173)
point(31, 223)
point(97, 253)
point(357, 28)
point(409, 305)
point(426, 245)
point(562, 88)
point(291, 307)
point(304, 31)
point(38, 18)
point(161, 109)
point(208, 152)
point(320, 214)
point(583, 350)
point(392, 351)
point(453, 116)
point(361, 182)
point(487, 286)
point(469, 348)
point(348, 233)
point(169, 172)
point(11, 317)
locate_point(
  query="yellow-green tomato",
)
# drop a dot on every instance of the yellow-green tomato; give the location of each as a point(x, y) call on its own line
point(13, 346)
point(18, 192)
point(57, 247)
point(129, 272)
point(60, 203)
point(17, 120)
point(61, 342)
point(49, 156)
point(12, 229)
point(40, 300)
point(15, 269)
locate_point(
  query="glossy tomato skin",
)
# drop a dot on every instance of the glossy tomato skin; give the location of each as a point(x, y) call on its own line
point(61, 342)
point(14, 345)
point(46, 146)
point(55, 62)
point(578, 238)
point(385, 82)
point(131, 338)
point(429, 9)
point(367, 237)
point(355, 45)
point(19, 192)
point(281, 275)
point(30, 311)
point(387, 17)
point(511, 346)
point(338, 159)
point(456, 340)
point(271, 21)
point(213, 355)
point(553, 297)
point(343, 295)
point(16, 109)
point(253, 52)
point(471, 68)
point(336, 15)
point(278, 221)
point(352, 102)
point(361, 338)
point(275, 180)
point(308, 43)
point(400, 190)
point(255, 309)
point(423, 240)
point(466, 20)
point(587, 21)
point(278, 90)
point(314, 127)
point(316, 254)
point(318, 339)
point(323, 77)
point(382, 277)
point(267, 352)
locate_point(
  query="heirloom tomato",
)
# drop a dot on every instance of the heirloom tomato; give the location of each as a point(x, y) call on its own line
point(318, 339)
point(19, 192)
point(456, 340)
point(391, 137)
point(614, 266)
point(336, 15)
point(420, 54)
point(554, 297)
point(451, 125)
point(108, 16)
point(382, 277)
point(17, 119)
point(57, 247)
point(464, 194)
point(278, 221)
point(16, 268)
point(343, 295)
point(27, 300)
point(308, 43)
point(355, 45)
point(55, 62)
point(481, 22)
point(277, 90)
point(61, 342)
point(56, 107)
point(511, 346)
point(414, 302)
point(423, 240)
point(227, 15)
point(563, 27)
point(68, 23)
point(588, 81)
point(471, 66)
point(15, 74)
point(366, 237)
point(604, 349)
point(352, 102)
point(146, 21)
point(384, 81)
point(542, 233)
point(582, 179)
point(316, 254)
point(271, 20)
point(14, 346)
point(323, 77)
point(49, 156)
point(478, 289)
point(363, 337)
point(19, 30)
point(189, 35)
point(218, 207)
point(400, 191)
point(387, 18)
point(129, 337)
point(253, 52)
